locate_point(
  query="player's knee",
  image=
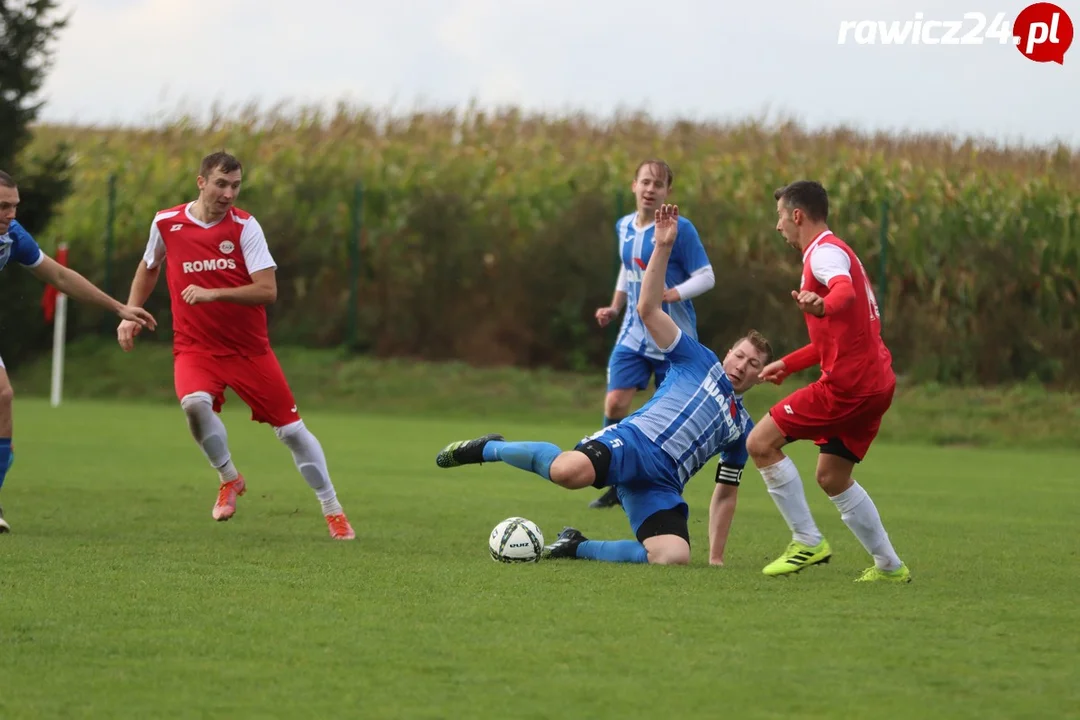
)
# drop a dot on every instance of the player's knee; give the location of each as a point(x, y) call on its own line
point(617, 403)
point(196, 402)
point(668, 550)
point(7, 396)
point(572, 470)
point(285, 432)
point(757, 443)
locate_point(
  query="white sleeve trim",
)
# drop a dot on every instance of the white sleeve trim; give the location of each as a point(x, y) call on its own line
point(669, 348)
point(620, 283)
point(828, 261)
point(155, 247)
point(700, 281)
point(253, 244)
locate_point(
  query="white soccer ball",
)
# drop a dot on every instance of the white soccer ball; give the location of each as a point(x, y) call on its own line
point(516, 540)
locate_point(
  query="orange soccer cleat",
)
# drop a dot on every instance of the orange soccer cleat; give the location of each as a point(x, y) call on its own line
point(225, 507)
point(340, 529)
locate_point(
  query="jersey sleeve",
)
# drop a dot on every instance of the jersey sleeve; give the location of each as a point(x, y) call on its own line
point(155, 247)
point(685, 350)
point(253, 244)
point(691, 252)
point(733, 459)
point(828, 261)
point(25, 249)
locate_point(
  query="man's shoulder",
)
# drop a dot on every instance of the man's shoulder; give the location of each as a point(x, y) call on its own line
point(17, 232)
point(171, 212)
point(240, 215)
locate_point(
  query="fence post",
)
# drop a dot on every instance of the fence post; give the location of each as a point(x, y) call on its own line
point(883, 258)
point(354, 265)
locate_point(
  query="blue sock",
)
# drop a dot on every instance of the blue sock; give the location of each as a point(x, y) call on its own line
point(625, 551)
point(532, 456)
point(7, 457)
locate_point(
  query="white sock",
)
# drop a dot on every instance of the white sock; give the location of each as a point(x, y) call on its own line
point(786, 488)
point(311, 462)
point(208, 430)
point(858, 512)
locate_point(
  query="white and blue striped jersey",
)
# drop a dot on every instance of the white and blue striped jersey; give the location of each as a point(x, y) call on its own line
point(695, 413)
point(635, 249)
point(19, 245)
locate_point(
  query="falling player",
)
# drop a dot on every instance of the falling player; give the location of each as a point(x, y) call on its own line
point(221, 276)
point(636, 356)
point(18, 245)
point(648, 458)
point(842, 411)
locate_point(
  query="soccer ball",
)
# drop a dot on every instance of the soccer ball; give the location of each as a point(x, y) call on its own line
point(516, 540)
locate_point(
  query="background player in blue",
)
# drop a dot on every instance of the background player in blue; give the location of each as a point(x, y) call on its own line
point(17, 245)
point(635, 357)
point(648, 457)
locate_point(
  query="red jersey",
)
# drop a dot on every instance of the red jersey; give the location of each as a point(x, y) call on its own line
point(223, 254)
point(854, 359)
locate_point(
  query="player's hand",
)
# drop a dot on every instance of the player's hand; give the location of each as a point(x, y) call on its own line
point(809, 302)
point(193, 295)
point(126, 332)
point(667, 225)
point(774, 372)
point(605, 315)
point(137, 315)
point(671, 295)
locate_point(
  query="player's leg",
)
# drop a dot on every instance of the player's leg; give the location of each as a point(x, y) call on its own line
point(260, 382)
point(627, 373)
point(663, 536)
point(569, 469)
point(200, 389)
point(7, 455)
point(792, 418)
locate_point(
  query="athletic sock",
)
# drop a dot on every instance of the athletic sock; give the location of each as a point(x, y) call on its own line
point(620, 551)
point(535, 457)
point(209, 432)
point(310, 460)
point(7, 457)
point(860, 514)
point(786, 489)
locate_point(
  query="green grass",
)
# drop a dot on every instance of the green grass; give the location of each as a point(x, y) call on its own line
point(122, 598)
point(1009, 417)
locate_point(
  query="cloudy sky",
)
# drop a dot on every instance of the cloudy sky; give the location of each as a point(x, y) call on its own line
point(134, 61)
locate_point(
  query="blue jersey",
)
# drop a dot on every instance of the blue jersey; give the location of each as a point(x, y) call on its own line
point(695, 413)
point(18, 245)
point(635, 249)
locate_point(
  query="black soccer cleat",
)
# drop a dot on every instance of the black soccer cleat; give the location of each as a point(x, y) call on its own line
point(608, 499)
point(4, 527)
point(565, 546)
point(465, 452)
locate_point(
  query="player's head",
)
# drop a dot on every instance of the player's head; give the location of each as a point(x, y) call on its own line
point(802, 209)
point(219, 182)
point(9, 200)
point(746, 359)
point(652, 183)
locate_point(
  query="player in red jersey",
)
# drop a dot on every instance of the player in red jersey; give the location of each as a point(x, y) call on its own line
point(841, 412)
point(221, 276)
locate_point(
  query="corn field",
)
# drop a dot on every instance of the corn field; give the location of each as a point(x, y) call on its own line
point(489, 237)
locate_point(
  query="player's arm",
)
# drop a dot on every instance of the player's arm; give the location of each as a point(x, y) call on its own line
point(74, 285)
point(691, 255)
point(729, 470)
point(661, 327)
point(262, 290)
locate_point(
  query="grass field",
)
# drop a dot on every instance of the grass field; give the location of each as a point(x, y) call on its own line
point(122, 598)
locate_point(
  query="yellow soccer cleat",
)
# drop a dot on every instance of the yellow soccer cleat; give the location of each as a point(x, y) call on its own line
point(899, 575)
point(797, 556)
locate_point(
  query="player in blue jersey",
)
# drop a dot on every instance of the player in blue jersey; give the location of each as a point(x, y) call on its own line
point(648, 457)
point(636, 357)
point(17, 245)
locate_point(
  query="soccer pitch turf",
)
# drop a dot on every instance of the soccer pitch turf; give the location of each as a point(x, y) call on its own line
point(121, 597)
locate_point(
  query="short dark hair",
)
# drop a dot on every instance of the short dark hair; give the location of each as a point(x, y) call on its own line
point(808, 196)
point(760, 343)
point(219, 161)
point(6, 180)
point(663, 167)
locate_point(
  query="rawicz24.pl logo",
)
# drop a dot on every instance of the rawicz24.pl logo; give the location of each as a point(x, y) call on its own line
point(1042, 32)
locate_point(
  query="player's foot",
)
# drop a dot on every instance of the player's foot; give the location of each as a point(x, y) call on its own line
point(465, 452)
point(608, 499)
point(4, 527)
point(899, 575)
point(565, 546)
point(797, 556)
point(225, 507)
point(340, 529)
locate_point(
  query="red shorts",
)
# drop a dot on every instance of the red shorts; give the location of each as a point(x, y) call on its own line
point(258, 381)
point(816, 413)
